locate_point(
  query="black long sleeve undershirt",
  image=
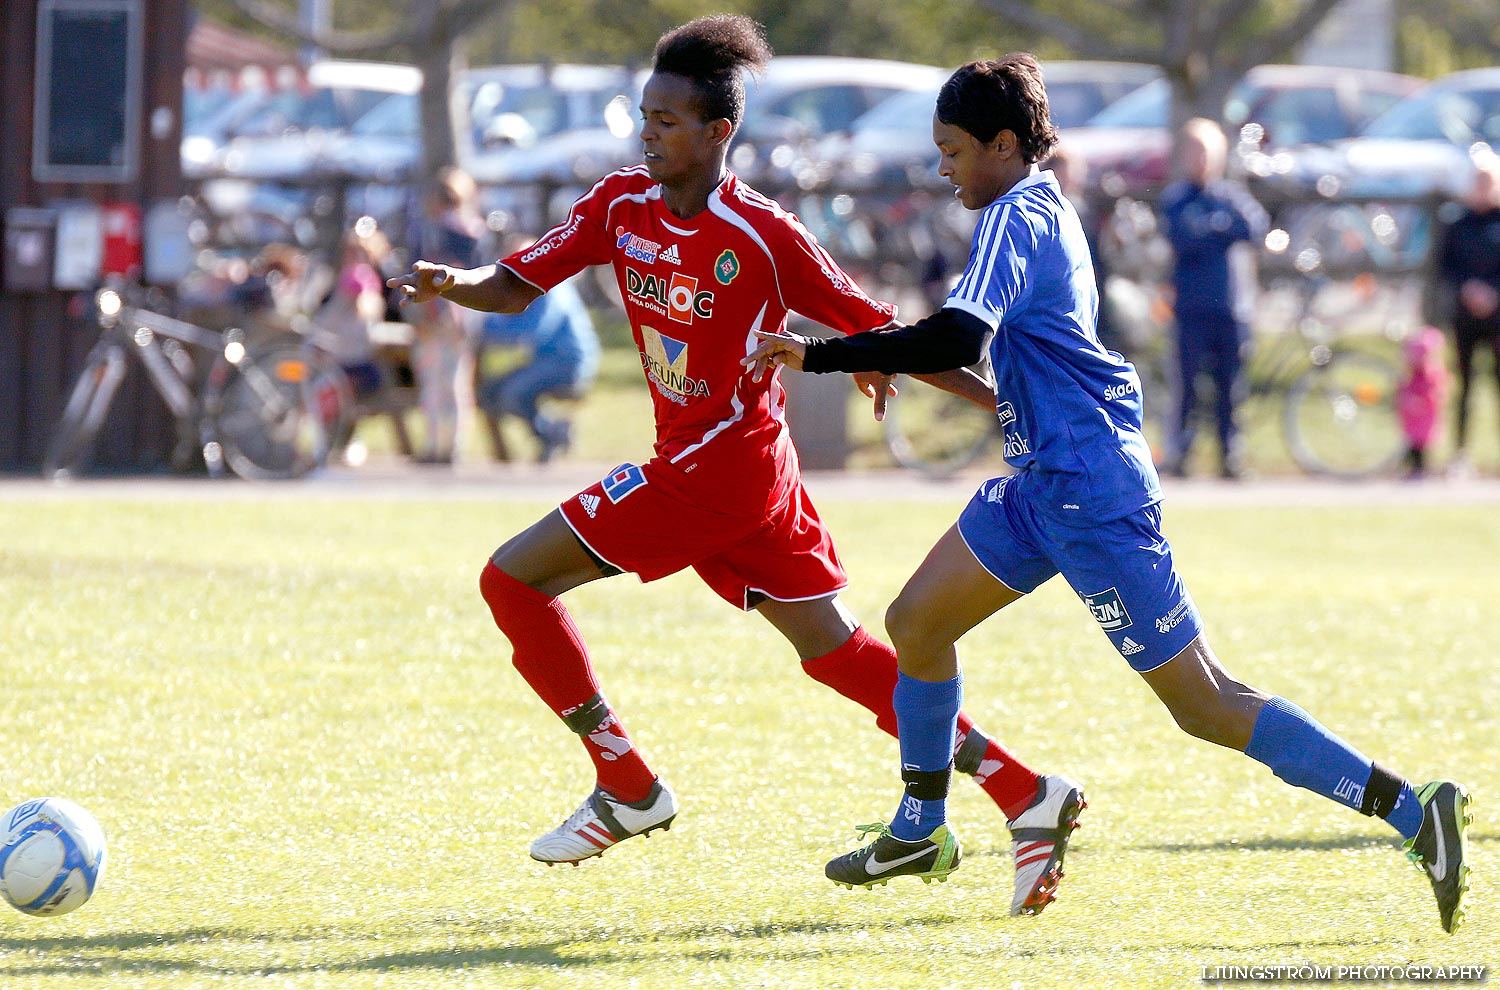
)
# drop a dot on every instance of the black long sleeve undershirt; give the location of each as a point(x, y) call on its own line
point(948, 339)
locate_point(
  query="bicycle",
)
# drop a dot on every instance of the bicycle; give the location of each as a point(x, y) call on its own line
point(269, 412)
point(1338, 412)
point(937, 433)
point(1336, 405)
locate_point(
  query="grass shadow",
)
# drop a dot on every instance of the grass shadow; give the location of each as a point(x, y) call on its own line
point(1279, 844)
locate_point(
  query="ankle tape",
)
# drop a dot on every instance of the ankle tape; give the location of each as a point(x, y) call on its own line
point(928, 785)
point(1381, 792)
point(587, 717)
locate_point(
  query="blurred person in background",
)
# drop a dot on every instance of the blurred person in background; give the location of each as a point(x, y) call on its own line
point(448, 233)
point(356, 302)
point(1205, 218)
point(562, 347)
point(1468, 272)
point(1421, 395)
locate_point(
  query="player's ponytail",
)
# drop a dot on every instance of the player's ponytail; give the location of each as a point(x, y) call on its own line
point(711, 51)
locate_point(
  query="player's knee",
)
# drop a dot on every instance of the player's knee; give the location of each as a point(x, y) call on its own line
point(507, 598)
point(910, 626)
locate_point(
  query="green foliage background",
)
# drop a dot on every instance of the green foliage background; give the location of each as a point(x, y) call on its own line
point(1434, 36)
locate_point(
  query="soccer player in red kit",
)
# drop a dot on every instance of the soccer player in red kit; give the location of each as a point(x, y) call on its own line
point(703, 261)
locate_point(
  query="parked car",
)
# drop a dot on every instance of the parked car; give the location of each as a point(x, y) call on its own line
point(210, 117)
point(892, 143)
point(797, 100)
point(292, 136)
point(1422, 146)
point(1127, 146)
point(804, 100)
point(530, 123)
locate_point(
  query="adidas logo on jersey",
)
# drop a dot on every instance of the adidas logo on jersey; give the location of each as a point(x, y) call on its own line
point(590, 503)
point(1130, 647)
point(670, 256)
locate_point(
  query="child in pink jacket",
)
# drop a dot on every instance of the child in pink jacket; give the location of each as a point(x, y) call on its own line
point(1421, 396)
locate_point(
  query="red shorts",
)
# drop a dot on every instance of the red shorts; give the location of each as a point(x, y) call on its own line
point(654, 520)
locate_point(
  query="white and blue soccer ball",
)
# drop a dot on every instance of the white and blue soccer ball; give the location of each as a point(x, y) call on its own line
point(51, 855)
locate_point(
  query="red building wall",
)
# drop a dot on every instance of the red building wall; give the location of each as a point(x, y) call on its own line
point(44, 336)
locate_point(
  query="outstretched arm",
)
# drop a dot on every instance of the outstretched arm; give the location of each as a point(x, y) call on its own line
point(948, 339)
point(936, 350)
point(491, 289)
point(966, 384)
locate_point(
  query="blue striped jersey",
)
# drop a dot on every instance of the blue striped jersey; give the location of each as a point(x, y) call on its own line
point(1071, 409)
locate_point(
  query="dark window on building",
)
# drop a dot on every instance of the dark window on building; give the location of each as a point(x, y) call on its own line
point(88, 88)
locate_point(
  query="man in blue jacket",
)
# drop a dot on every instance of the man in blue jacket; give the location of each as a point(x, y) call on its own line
point(1205, 217)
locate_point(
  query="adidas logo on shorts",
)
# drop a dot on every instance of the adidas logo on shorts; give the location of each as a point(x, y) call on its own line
point(590, 503)
point(1130, 647)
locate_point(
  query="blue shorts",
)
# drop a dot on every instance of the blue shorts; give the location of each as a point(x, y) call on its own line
point(1122, 569)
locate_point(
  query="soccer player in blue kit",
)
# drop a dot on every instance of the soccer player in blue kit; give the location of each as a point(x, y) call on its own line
point(1084, 501)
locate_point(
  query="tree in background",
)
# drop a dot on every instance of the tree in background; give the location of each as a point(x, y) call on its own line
point(1435, 37)
point(1203, 46)
point(430, 34)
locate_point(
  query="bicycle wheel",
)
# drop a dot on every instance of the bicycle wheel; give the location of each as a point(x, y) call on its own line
point(73, 441)
point(935, 432)
point(277, 413)
point(1340, 417)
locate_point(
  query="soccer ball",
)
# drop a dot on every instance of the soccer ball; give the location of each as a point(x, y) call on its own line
point(51, 855)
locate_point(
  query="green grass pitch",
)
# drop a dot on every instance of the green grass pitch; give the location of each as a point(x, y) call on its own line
point(317, 769)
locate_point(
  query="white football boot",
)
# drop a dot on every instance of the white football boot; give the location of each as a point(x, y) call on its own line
point(1039, 840)
point(601, 821)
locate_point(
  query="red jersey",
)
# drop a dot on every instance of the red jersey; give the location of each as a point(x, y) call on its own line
point(694, 290)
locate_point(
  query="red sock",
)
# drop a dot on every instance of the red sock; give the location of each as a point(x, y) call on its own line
point(864, 671)
point(1010, 783)
point(550, 654)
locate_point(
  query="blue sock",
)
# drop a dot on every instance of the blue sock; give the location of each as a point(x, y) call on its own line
point(926, 720)
point(1300, 751)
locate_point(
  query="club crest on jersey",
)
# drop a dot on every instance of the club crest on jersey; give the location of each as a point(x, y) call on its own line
point(1108, 610)
point(636, 247)
point(622, 481)
point(666, 362)
point(726, 267)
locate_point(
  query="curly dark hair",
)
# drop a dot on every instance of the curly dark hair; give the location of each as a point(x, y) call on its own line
point(711, 51)
point(1001, 94)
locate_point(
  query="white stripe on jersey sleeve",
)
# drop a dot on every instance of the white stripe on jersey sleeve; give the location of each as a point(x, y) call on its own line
point(978, 310)
point(653, 193)
point(965, 282)
point(720, 209)
point(976, 280)
point(633, 170)
point(752, 197)
point(971, 291)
